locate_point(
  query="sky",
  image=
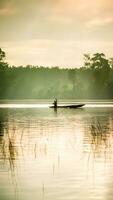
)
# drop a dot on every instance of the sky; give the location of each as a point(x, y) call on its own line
point(55, 32)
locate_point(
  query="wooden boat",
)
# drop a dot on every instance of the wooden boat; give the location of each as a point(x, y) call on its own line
point(69, 106)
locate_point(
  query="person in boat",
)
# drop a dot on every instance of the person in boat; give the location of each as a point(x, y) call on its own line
point(55, 103)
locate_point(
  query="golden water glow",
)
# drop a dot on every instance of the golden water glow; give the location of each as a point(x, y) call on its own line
point(56, 155)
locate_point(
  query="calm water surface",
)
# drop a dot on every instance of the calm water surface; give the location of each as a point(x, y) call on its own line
point(63, 155)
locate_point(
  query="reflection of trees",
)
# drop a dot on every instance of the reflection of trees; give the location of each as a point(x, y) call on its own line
point(8, 149)
point(3, 116)
point(1, 131)
point(7, 140)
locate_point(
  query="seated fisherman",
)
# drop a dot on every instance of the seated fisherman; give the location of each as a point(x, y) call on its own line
point(55, 103)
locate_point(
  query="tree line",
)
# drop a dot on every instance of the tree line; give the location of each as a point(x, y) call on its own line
point(94, 80)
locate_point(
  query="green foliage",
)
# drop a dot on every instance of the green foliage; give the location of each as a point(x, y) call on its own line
point(2, 55)
point(93, 80)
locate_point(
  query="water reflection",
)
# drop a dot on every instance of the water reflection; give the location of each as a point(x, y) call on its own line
point(50, 155)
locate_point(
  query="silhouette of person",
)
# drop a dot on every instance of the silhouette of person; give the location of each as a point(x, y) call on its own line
point(55, 103)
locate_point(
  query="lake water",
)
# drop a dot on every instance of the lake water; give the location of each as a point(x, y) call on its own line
point(49, 155)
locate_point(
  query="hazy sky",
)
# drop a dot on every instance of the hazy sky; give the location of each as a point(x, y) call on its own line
point(55, 32)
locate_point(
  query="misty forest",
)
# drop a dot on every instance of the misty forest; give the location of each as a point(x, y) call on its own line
point(94, 80)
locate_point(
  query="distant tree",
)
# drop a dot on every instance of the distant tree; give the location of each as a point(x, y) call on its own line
point(111, 62)
point(100, 70)
point(87, 60)
point(99, 61)
point(94, 80)
point(2, 55)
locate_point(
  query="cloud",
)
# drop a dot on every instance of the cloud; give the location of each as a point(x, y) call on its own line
point(53, 52)
point(76, 15)
point(99, 22)
point(7, 9)
point(55, 32)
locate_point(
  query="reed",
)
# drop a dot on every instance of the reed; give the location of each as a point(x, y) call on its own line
point(100, 137)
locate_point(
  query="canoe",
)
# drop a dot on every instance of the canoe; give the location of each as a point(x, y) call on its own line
point(69, 106)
